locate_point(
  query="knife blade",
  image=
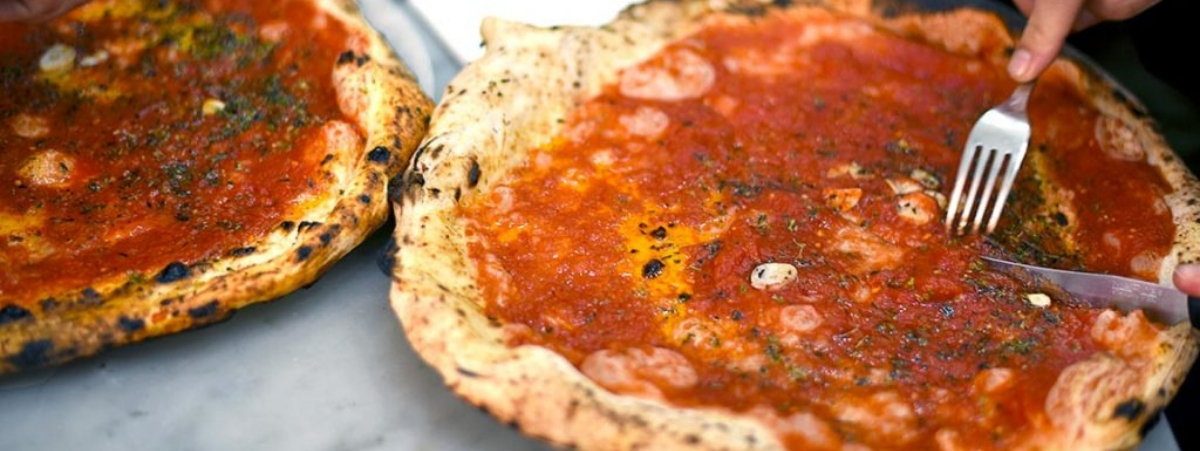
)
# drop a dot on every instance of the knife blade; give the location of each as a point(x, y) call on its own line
point(1159, 303)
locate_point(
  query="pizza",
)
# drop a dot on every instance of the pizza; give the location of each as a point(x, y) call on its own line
point(718, 225)
point(168, 162)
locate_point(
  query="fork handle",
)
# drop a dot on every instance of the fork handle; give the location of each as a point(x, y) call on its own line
point(1020, 97)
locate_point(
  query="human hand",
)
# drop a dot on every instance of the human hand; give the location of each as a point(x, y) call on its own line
point(1187, 279)
point(1051, 20)
point(35, 10)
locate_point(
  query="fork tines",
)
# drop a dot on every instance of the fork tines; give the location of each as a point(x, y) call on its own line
point(995, 148)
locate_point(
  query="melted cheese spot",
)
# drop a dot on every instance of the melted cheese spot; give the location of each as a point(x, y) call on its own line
point(1120, 332)
point(993, 380)
point(1118, 141)
point(797, 322)
point(683, 75)
point(805, 427)
point(948, 440)
point(49, 168)
point(30, 126)
point(883, 415)
point(273, 31)
point(646, 122)
point(640, 372)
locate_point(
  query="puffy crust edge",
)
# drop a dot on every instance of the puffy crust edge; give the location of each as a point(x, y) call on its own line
point(481, 131)
point(112, 313)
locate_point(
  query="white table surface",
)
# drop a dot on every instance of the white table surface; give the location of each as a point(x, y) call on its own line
point(325, 368)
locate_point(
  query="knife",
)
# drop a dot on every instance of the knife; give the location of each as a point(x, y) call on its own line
point(1159, 303)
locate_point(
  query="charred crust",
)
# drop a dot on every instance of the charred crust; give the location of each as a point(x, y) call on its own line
point(203, 311)
point(473, 174)
point(387, 257)
point(131, 325)
point(34, 353)
point(361, 60)
point(1151, 421)
point(306, 225)
point(326, 238)
point(457, 194)
point(436, 151)
point(1130, 409)
point(653, 268)
point(174, 271)
point(467, 373)
point(364, 198)
point(12, 313)
point(287, 225)
point(242, 251)
point(379, 154)
point(345, 57)
point(395, 188)
point(303, 253)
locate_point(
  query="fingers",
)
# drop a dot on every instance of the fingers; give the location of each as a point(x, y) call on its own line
point(1049, 24)
point(34, 10)
point(1187, 279)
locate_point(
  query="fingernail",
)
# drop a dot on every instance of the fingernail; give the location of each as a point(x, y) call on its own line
point(1188, 271)
point(1018, 65)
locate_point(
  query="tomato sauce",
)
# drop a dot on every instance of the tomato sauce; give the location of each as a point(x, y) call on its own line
point(613, 239)
point(179, 129)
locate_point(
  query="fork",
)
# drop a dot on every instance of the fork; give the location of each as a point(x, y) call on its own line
point(996, 147)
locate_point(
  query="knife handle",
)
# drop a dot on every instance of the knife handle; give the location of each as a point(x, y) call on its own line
point(1194, 310)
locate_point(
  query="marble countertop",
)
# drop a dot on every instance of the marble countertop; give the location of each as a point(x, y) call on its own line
point(326, 368)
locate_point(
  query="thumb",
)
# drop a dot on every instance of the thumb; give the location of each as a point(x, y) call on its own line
point(1049, 24)
point(1187, 279)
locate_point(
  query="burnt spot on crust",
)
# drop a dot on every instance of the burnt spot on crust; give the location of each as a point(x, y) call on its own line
point(379, 154)
point(303, 253)
point(173, 272)
point(33, 354)
point(287, 225)
point(345, 57)
point(364, 198)
point(1060, 219)
point(467, 373)
point(387, 257)
point(361, 60)
point(306, 225)
point(395, 187)
point(473, 174)
point(653, 268)
point(203, 311)
point(326, 238)
point(1130, 409)
point(12, 313)
point(242, 251)
point(131, 325)
point(1151, 422)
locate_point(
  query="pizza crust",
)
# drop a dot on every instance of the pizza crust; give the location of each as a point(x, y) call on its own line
point(390, 111)
point(513, 99)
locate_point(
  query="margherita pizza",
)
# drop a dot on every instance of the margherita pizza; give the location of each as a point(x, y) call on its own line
point(167, 162)
point(717, 225)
